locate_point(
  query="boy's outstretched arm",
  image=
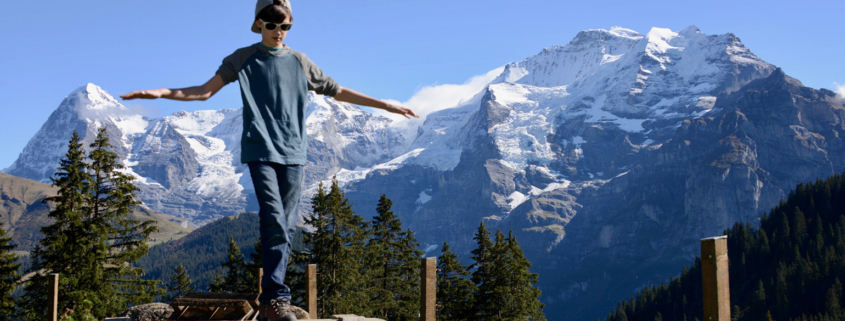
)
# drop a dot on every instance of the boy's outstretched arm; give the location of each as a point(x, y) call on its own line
point(354, 97)
point(203, 92)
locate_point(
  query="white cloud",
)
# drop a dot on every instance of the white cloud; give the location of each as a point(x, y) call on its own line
point(840, 93)
point(430, 99)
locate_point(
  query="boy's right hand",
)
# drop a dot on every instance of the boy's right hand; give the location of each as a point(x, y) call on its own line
point(144, 94)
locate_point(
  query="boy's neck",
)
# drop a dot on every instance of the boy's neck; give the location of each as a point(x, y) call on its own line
point(268, 47)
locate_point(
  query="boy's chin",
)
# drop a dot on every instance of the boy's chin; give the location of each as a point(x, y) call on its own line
point(274, 42)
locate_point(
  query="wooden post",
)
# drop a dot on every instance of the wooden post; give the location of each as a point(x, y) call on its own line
point(311, 290)
point(428, 288)
point(714, 278)
point(54, 279)
point(260, 276)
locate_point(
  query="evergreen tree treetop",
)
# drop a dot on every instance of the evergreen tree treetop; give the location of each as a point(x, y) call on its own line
point(337, 240)
point(455, 292)
point(237, 275)
point(180, 284)
point(393, 265)
point(92, 242)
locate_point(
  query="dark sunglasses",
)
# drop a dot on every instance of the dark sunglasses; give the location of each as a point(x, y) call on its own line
point(272, 26)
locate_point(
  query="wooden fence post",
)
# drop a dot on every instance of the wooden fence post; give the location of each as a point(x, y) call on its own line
point(311, 290)
point(260, 276)
point(428, 288)
point(714, 279)
point(54, 279)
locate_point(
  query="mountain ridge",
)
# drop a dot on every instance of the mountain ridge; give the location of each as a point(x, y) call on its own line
point(591, 152)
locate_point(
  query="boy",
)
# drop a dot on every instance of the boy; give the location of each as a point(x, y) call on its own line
point(274, 82)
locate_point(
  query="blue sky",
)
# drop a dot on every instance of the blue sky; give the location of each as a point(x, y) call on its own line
point(387, 49)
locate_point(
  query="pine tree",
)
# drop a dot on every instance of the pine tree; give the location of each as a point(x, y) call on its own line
point(92, 242)
point(337, 243)
point(120, 240)
point(8, 273)
point(236, 277)
point(832, 306)
point(180, 284)
point(393, 264)
point(454, 289)
point(216, 284)
point(522, 297)
point(482, 275)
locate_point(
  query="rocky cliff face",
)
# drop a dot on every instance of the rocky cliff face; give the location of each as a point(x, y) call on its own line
point(609, 157)
point(728, 166)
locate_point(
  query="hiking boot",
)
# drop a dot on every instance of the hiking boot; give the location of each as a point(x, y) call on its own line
point(277, 310)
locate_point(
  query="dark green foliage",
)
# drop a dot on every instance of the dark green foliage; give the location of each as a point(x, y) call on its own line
point(790, 268)
point(92, 238)
point(236, 277)
point(482, 274)
point(180, 284)
point(519, 297)
point(508, 291)
point(8, 273)
point(337, 243)
point(455, 292)
point(202, 251)
point(82, 313)
point(506, 287)
point(393, 266)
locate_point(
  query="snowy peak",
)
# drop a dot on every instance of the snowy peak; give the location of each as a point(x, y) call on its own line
point(563, 65)
point(92, 102)
point(601, 53)
point(624, 33)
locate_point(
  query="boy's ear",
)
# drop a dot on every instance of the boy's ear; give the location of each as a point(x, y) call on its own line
point(258, 24)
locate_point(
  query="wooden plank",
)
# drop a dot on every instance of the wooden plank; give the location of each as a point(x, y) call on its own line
point(714, 278)
point(242, 306)
point(311, 290)
point(213, 313)
point(196, 313)
point(231, 314)
point(428, 284)
point(252, 298)
point(54, 304)
point(179, 309)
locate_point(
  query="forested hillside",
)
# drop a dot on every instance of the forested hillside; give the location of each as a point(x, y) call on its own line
point(202, 251)
point(791, 268)
point(23, 213)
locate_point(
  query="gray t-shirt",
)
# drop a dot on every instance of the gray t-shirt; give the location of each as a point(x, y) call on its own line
point(274, 89)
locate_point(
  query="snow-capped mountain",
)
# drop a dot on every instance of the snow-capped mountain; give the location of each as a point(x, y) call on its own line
point(187, 164)
point(609, 157)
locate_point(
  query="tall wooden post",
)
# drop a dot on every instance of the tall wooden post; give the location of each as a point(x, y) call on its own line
point(311, 290)
point(714, 278)
point(428, 288)
point(260, 276)
point(54, 313)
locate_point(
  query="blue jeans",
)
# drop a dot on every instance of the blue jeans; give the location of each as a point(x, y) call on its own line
point(277, 188)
